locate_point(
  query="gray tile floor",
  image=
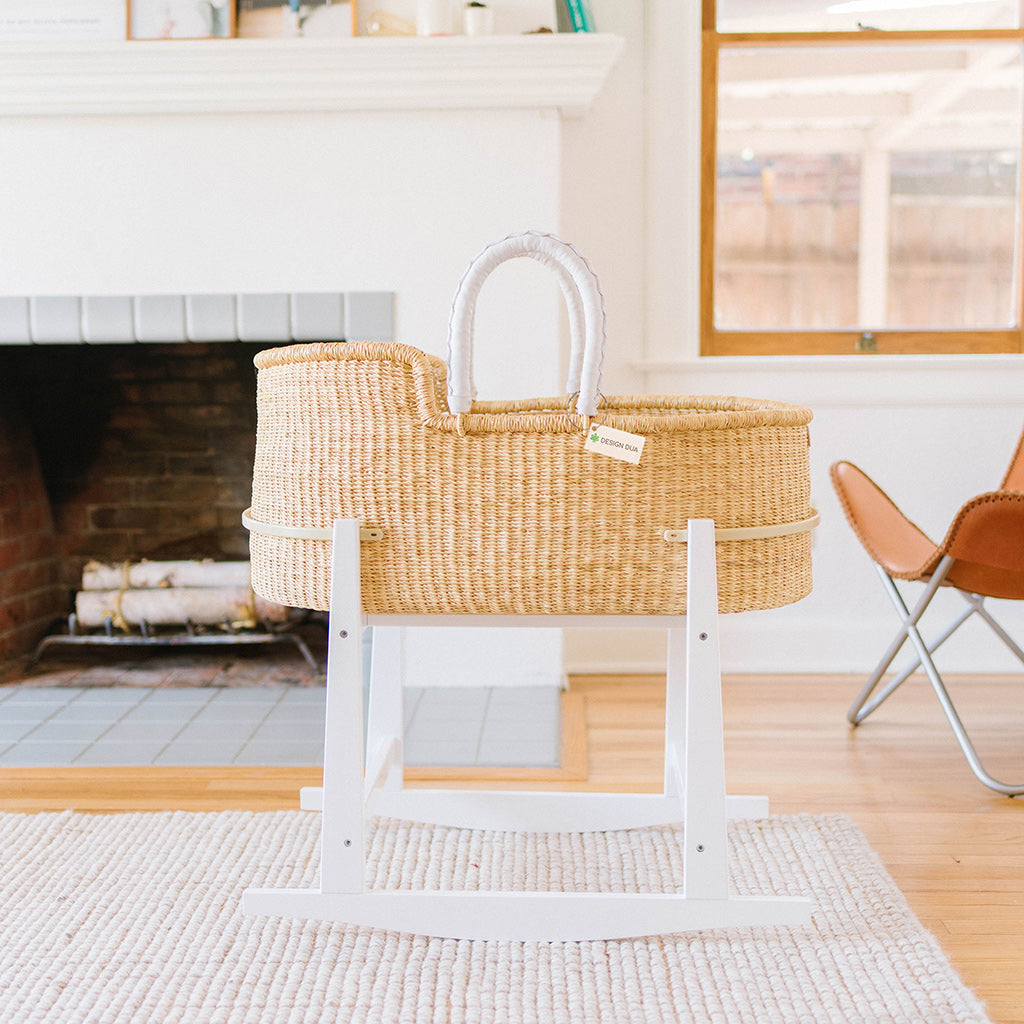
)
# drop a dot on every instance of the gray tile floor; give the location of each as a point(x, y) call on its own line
point(276, 726)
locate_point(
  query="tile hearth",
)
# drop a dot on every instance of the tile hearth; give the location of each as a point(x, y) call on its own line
point(273, 725)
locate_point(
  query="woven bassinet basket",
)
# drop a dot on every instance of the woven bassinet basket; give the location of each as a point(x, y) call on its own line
point(496, 507)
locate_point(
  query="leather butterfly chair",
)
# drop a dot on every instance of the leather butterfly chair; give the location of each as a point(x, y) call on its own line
point(982, 556)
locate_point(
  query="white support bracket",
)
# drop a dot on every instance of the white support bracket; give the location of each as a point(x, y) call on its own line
point(357, 787)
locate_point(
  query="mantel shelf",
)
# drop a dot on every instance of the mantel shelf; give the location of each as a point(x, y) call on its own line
point(561, 72)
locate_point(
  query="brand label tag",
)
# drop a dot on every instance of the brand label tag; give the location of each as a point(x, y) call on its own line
point(616, 444)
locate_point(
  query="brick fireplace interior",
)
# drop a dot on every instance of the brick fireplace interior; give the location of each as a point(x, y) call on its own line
point(116, 452)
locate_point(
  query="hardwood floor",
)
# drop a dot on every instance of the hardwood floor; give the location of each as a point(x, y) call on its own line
point(955, 849)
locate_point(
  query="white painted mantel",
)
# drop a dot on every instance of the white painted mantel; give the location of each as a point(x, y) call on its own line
point(556, 72)
point(250, 165)
point(313, 165)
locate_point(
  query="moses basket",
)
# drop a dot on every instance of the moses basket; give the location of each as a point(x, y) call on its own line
point(497, 507)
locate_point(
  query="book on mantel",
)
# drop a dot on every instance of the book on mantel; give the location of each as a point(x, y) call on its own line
point(580, 18)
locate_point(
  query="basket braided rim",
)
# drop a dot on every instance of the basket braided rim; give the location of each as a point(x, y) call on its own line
point(648, 414)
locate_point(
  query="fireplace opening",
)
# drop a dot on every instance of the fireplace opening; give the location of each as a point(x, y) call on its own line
point(117, 453)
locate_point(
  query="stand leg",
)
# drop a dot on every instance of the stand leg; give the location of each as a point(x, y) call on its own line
point(523, 811)
point(341, 866)
point(675, 715)
point(705, 867)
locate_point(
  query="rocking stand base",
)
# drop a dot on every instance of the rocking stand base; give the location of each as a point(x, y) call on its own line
point(527, 916)
point(363, 779)
point(515, 811)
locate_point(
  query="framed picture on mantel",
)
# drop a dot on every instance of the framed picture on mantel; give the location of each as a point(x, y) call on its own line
point(260, 19)
point(181, 19)
point(28, 21)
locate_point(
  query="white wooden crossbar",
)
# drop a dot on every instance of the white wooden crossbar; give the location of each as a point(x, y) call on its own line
point(359, 784)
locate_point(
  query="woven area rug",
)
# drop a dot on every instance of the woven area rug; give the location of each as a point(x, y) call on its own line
point(135, 917)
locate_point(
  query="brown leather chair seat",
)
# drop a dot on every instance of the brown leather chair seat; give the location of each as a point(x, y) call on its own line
point(981, 556)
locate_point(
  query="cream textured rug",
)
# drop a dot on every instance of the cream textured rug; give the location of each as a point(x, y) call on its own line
point(135, 917)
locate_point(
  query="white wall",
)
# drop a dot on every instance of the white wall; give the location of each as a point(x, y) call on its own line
point(602, 198)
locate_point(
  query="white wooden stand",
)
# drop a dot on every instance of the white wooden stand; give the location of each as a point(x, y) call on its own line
point(357, 787)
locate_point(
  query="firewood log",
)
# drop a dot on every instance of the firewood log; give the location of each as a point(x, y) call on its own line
point(141, 575)
point(169, 606)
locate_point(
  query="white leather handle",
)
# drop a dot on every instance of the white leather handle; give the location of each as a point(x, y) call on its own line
point(583, 299)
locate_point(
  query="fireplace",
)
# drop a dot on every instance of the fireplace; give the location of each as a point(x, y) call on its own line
point(259, 166)
point(141, 449)
point(115, 453)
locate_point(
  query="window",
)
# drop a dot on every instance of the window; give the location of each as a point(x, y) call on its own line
point(862, 186)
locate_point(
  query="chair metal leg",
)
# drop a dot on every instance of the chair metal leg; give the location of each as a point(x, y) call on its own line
point(910, 619)
point(1008, 789)
point(861, 708)
point(978, 605)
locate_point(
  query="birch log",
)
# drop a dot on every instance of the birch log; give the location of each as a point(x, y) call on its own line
point(171, 606)
point(140, 575)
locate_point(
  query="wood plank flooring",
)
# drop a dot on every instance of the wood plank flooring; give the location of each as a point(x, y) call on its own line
point(955, 849)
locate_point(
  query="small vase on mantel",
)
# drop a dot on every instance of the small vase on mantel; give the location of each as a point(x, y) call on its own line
point(435, 17)
point(477, 19)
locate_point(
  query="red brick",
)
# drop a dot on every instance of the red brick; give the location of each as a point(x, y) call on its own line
point(8, 648)
point(214, 368)
point(12, 521)
point(234, 544)
point(98, 490)
point(177, 491)
point(45, 606)
point(24, 578)
point(207, 464)
point(38, 547)
point(240, 442)
point(130, 418)
point(10, 553)
point(114, 463)
point(35, 517)
point(169, 392)
point(232, 391)
point(10, 465)
point(159, 546)
point(71, 518)
point(214, 416)
point(174, 519)
point(106, 547)
point(136, 364)
point(181, 437)
point(12, 614)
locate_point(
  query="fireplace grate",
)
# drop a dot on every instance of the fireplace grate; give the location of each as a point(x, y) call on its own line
point(188, 636)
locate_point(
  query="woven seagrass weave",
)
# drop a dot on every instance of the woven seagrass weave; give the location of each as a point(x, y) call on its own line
point(501, 510)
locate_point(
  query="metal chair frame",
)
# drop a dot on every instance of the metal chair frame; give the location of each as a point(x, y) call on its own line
point(864, 705)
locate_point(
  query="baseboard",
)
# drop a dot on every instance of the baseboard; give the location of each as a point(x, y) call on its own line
point(765, 643)
point(637, 667)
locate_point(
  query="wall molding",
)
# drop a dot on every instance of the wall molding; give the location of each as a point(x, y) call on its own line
point(849, 381)
point(763, 644)
point(560, 71)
